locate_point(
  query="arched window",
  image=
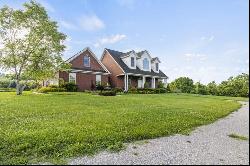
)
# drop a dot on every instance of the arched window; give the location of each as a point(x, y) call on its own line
point(145, 64)
point(86, 61)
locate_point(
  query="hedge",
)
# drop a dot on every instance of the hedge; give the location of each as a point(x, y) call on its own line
point(107, 93)
point(51, 89)
point(147, 90)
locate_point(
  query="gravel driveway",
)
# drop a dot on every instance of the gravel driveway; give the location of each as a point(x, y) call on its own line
point(206, 145)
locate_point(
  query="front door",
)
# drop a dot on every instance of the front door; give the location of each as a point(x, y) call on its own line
point(139, 83)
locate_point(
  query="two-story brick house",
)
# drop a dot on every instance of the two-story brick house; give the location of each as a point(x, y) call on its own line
point(132, 69)
point(118, 69)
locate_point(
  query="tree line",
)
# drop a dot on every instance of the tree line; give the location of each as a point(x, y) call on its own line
point(237, 86)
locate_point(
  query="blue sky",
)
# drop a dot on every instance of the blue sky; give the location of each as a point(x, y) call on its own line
point(203, 39)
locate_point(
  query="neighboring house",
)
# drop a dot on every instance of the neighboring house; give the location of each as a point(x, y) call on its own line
point(86, 70)
point(133, 69)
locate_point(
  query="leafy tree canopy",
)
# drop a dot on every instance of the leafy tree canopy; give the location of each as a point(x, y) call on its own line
point(182, 84)
point(234, 86)
point(31, 44)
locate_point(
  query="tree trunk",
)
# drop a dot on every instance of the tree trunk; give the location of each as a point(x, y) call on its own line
point(22, 88)
point(18, 88)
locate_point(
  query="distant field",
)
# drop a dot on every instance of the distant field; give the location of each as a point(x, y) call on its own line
point(52, 127)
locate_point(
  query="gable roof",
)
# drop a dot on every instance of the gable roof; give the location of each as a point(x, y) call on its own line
point(117, 57)
point(127, 54)
point(139, 54)
point(93, 55)
point(156, 58)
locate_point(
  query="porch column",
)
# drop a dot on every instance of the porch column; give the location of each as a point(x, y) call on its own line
point(143, 81)
point(126, 82)
point(153, 82)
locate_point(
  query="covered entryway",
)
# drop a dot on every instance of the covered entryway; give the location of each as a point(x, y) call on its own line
point(139, 81)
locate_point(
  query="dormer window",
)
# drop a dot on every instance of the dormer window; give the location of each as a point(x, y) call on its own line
point(145, 64)
point(157, 66)
point(132, 62)
point(86, 61)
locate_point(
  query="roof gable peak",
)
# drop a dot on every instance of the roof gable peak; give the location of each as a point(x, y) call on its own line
point(144, 52)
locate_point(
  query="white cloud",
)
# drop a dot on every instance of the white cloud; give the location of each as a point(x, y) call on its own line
point(211, 38)
point(208, 38)
point(230, 51)
point(130, 4)
point(68, 25)
point(91, 23)
point(195, 56)
point(110, 40)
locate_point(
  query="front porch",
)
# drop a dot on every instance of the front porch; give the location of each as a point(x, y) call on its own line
point(140, 81)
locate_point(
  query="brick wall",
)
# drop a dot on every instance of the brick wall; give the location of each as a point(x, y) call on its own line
point(84, 81)
point(78, 62)
point(114, 69)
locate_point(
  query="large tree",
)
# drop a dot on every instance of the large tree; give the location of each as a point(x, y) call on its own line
point(31, 44)
point(182, 84)
point(200, 89)
point(235, 86)
point(212, 88)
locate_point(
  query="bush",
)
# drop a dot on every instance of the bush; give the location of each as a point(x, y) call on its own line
point(118, 90)
point(61, 82)
point(100, 87)
point(182, 84)
point(50, 89)
point(87, 91)
point(132, 90)
point(161, 90)
point(147, 90)
point(140, 91)
point(161, 84)
point(53, 86)
point(70, 87)
point(7, 89)
point(108, 93)
point(176, 90)
point(4, 83)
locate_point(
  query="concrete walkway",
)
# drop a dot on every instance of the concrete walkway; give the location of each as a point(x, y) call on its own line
point(206, 145)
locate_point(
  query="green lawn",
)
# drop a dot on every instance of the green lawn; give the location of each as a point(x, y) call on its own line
point(52, 127)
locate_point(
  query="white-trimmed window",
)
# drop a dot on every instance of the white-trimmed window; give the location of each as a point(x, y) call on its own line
point(86, 61)
point(98, 79)
point(145, 64)
point(132, 62)
point(157, 66)
point(72, 77)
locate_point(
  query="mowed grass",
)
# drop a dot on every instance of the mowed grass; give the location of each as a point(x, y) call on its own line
point(52, 127)
point(237, 136)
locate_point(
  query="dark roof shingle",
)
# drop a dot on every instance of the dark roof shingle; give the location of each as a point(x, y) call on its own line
point(117, 56)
